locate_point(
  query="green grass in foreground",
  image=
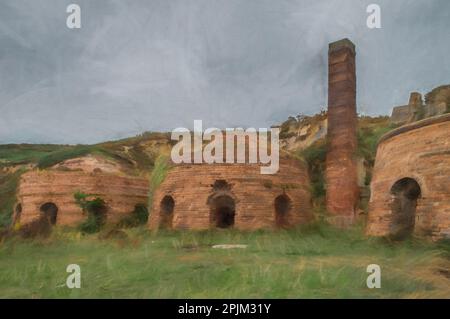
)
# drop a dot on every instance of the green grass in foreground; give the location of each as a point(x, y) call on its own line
point(317, 262)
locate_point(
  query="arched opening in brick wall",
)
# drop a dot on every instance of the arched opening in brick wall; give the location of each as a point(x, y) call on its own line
point(405, 193)
point(50, 212)
point(17, 213)
point(223, 210)
point(282, 208)
point(140, 213)
point(166, 212)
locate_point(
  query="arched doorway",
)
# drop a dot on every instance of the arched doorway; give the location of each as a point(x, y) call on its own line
point(17, 213)
point(405, 193)
point(166, 212)
point(223, 211)
point(282, 207)
point(140, 213)
point(50, 212)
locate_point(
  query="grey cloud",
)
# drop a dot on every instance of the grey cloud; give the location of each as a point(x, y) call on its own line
point(157, 65)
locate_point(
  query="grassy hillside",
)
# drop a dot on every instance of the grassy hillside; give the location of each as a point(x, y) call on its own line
point(313, 262)
point(130, 150)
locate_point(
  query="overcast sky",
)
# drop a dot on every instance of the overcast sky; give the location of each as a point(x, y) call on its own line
point(155, 65)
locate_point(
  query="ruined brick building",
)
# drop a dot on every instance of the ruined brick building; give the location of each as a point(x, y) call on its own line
point(411, 181)
point(437, 102)
point(203, 196)
point(51, 191)
point(410, 188)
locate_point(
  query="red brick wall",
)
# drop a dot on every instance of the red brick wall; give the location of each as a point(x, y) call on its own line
point(420, 151)
point(341, 167)
point(254, 194)
point(121, 194)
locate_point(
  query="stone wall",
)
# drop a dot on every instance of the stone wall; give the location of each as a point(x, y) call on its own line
point(410, 112)
point(437, 102)
point(121, 194)
point(194, 187)
point(341, 165)
point(421, 152)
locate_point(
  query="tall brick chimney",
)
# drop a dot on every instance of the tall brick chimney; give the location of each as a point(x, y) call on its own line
point(341, 168)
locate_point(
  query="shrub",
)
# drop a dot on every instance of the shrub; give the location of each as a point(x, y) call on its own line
point(8, 188)
point(139, 216)
point(315, 156)
point(95, 210)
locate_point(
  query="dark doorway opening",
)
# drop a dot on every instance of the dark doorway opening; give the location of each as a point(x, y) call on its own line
point(405, 193)
point(17, 213)
point(166, 212)
point(140, 214)
point(50, 212)
point(223, 211)
point(282, 208)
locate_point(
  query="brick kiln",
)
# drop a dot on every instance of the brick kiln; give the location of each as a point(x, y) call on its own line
point(411, 181)
point(203, 196)
point(51, 191)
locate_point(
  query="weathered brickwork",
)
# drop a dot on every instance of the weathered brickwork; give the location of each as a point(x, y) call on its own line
point(241, 189)
point(341, 164)
point(36, 188)
point(418, 152)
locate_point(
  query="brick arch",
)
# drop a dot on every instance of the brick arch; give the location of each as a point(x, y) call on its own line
point(18, 208)
point(166, 211)
point(413, 175)
point(405, 193)
point(222, 209)
point(49, 210)
point(282, 209)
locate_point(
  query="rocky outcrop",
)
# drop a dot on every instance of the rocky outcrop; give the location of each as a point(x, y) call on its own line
point(300, 133)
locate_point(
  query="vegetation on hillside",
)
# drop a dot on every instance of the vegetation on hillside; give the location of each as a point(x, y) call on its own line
point(315, 156)
point(158, 175)
point(370, 130)
point(290, 127)
point(8, 186)
point(128, 151)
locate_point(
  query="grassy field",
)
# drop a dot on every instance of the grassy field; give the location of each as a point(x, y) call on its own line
point(313, 262)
